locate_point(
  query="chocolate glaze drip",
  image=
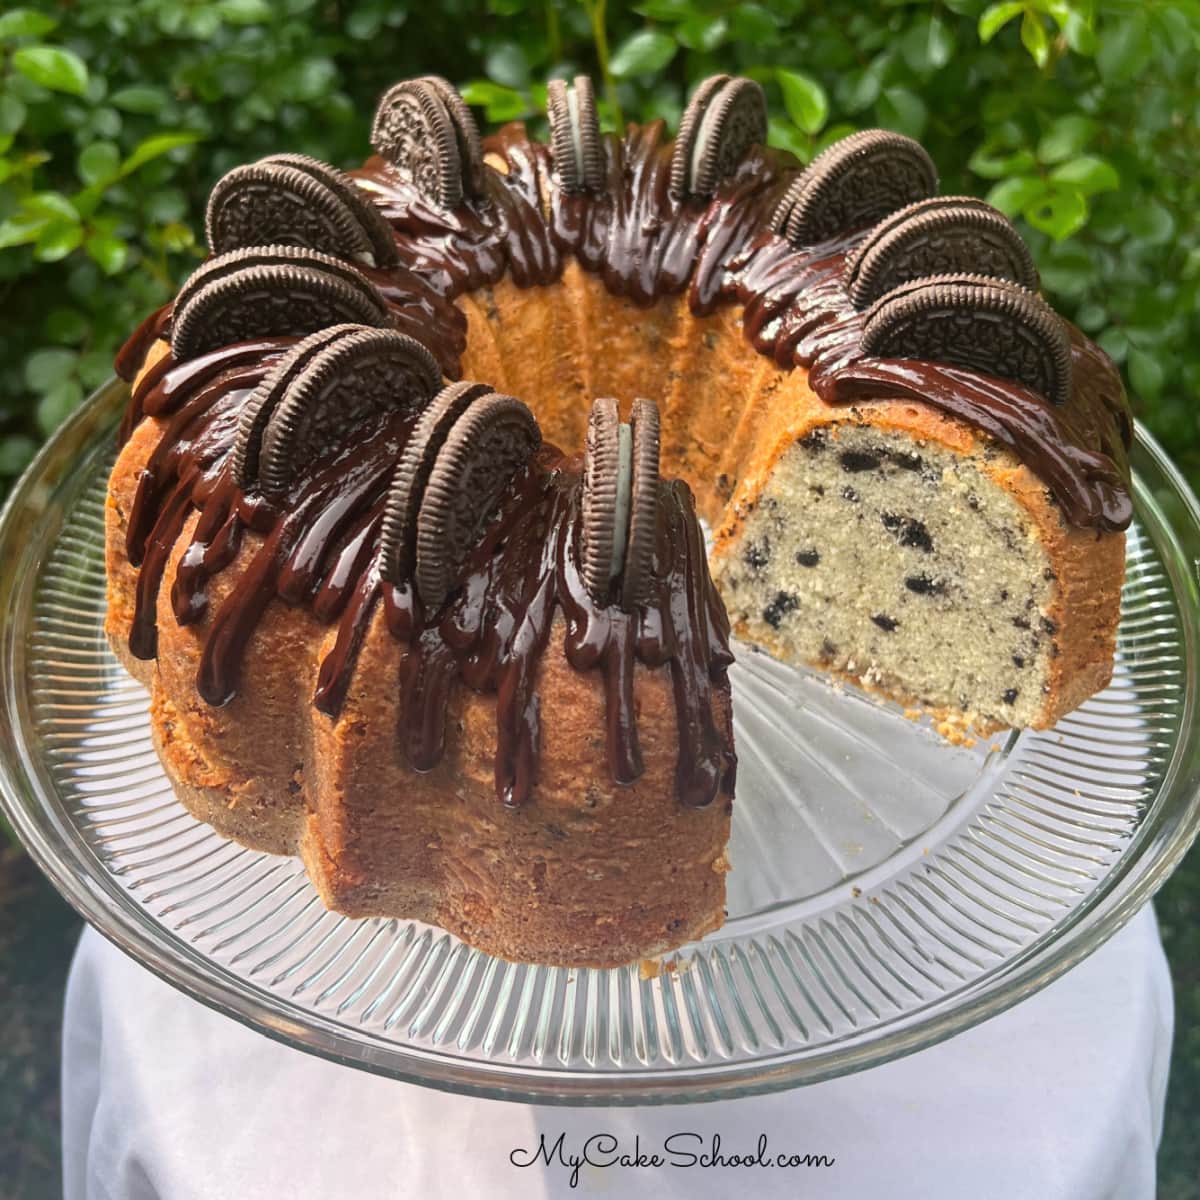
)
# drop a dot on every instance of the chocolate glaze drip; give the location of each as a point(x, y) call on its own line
point(797, 311)
point(645, 245)
point(318, 545)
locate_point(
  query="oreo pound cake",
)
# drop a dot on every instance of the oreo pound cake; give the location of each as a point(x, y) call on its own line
point(404, 536)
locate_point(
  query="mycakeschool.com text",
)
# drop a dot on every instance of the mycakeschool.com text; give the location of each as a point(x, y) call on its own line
point(681, 1150)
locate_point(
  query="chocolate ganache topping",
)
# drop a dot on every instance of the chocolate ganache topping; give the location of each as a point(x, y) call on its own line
point(317, 541)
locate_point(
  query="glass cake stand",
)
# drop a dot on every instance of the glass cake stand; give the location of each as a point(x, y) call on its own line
point(888, 890)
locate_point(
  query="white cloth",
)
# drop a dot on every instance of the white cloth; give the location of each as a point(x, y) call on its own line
point(1061, 1098)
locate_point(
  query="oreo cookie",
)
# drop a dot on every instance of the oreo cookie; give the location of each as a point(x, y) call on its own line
point(267, 203)
point(643, 506)
point(947, 235)
point(575, 142)
point(986, 325)
point(282, 203)
point(607, 474)
point(425, 130)
point(855, 182)
point(493, 439)
point(462, 454)
point(269, 291)
point(321, 390)
point(620, 502)
point(724, 118)
point(398, 537)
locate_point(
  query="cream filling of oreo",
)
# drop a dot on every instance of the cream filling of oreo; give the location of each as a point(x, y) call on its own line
point(576, 133)
point(624, 498)
point(708, 130)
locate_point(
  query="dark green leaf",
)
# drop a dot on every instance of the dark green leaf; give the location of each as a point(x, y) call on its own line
point(1114, 343)
point(665, 10)
point(860, 89)
point(16, 453)
point(140, 99)
point(904, 111)
point(1124, 49)
point(107, 251)
point(67, 325)
point(99, 162)
point(159, 144)
point(52, 67)
point(1034, 38)
point(12, 114)
point(702, 32)
point(805, 100)
point(928, 45)
point(45, 369)
point(753, 23)
point(1151, 223)
point(644, 53)
point(1060, 213)
point(25, 22)
point(1088, 174)
point(1146, 373)
point(507, 65)
point(57, 404)
point(996, 16)
point(245, 12)
point(56, 240)
point(1066, 136)
point(1015, 195)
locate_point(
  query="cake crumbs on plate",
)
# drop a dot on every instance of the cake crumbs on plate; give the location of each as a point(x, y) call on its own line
point(652, 968)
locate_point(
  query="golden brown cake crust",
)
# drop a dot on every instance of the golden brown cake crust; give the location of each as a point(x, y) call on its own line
point(587, 872)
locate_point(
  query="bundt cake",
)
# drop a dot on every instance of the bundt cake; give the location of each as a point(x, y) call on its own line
point(456, 643)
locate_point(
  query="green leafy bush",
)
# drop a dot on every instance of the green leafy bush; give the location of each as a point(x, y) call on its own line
point(1078, 119)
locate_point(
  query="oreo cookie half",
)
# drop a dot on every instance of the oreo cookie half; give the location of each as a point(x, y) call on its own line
point(643, 506)
point(620, 502)
point(271, 291)
point(398, 537)
point(493, 439)
point(855, 182)
point(607, 473)
point(269, 203)
point(321, 390)
point(986, 325)
point(947, 235)
point(575, 134)
point(374, 225)
point(723, 119)
point(424, 129)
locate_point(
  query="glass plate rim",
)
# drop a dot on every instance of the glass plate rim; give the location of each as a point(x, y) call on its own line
point(94, 895)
